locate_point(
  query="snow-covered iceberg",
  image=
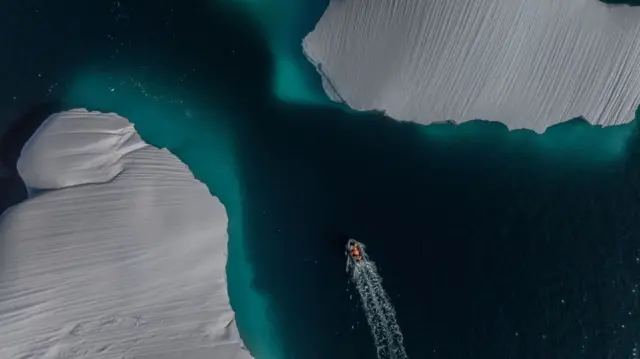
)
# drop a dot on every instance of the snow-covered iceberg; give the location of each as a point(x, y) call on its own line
point(527, 64)
point(118, 253)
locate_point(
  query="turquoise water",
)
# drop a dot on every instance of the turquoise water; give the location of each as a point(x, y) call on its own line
point(285, 23)
point(225, 87)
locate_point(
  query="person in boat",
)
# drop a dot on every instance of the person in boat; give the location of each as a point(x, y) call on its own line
point(355, 252)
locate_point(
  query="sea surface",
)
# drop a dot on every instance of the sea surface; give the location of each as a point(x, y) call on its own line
point(491, 244)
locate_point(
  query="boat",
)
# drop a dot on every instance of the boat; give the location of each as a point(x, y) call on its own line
point(355, 253)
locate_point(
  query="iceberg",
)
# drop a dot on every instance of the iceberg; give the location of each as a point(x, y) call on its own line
point(526, 64)
point(119, 252)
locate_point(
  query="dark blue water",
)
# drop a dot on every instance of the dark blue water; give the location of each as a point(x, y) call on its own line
point(492, 244)
point(485, 252)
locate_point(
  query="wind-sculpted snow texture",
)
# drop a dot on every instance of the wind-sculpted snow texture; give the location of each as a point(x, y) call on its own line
point(118, 253)
point(527, 64)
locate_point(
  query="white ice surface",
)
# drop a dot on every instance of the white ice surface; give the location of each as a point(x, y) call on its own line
point(123, 257)
point(525, 63)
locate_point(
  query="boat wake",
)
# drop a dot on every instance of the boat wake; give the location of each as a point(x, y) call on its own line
point(380, 313)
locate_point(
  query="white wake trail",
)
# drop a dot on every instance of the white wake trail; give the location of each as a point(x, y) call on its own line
point(380, 313)
point(373, 311)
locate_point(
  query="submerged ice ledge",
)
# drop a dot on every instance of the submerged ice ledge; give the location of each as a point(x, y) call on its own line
point(123, 255)
point(527, 64)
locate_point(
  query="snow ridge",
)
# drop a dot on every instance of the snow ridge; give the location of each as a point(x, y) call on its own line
point(123, 256)
point(527, 64)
